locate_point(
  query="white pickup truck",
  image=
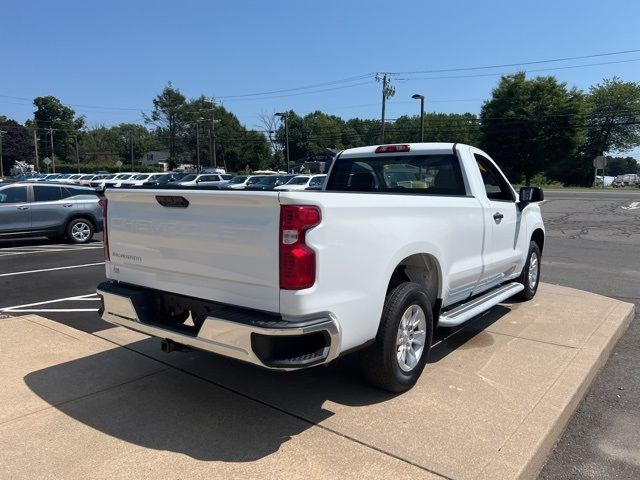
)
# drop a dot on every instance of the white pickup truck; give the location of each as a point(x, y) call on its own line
point(402, 239)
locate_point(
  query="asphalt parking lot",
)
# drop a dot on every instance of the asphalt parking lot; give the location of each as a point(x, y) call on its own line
point(593, 243)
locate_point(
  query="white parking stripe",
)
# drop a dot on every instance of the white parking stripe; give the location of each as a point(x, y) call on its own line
point(50, 269)
point(54, 310)
point(9, 252)
point(9, 309)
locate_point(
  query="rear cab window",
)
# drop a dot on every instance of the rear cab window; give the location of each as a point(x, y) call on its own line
point(424, 174)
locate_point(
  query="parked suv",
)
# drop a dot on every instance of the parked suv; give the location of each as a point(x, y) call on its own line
point(50, 210)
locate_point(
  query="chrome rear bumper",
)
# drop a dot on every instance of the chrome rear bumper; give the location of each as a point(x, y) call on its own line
point(246, 340)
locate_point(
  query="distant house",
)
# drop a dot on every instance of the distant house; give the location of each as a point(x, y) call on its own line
point(318, 162)
point(155, 157)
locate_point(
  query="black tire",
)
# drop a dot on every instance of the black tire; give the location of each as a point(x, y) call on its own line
point(530, 287)
point(79, 231)
point(380, 362)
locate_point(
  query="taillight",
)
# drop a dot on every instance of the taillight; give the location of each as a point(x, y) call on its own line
point(297, 260)
point(105, 231)
point(393, 148)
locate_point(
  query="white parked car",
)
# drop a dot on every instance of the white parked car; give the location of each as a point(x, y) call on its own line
point(117, 180)
point(137, 180)
point(408, 238)
point(203, 179)
point(240, 181)
point(301, 182)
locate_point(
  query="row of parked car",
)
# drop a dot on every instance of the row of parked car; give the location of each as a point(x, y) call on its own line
point(101, 181)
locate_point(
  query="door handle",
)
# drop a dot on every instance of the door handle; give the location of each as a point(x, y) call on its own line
point(67, 204)
point(498, 217)
point(23, 207)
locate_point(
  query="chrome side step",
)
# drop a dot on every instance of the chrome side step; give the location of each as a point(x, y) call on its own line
point(468, 310)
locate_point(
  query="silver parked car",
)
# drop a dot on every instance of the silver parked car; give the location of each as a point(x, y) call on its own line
point(51, 210)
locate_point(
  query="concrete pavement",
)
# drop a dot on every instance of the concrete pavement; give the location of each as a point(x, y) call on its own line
point(490, 404)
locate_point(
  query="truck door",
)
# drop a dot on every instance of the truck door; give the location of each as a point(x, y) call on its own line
point(502, 220)
point(15, 215)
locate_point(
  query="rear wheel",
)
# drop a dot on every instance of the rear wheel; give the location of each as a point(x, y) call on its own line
point(399, 354)
point(80, 230)
point(530, 276)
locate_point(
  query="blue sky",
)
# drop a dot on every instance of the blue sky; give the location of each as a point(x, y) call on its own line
point(109, 59)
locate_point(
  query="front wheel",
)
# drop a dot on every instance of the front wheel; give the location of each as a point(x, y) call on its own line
point(399, 354)
point(530, 276)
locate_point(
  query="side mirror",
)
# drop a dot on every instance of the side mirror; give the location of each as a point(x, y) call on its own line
point(530, 195)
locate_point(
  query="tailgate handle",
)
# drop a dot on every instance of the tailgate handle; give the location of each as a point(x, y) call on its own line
point(172, 201)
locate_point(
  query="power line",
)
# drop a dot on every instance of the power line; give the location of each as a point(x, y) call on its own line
point(478, 75)
point(535, 62)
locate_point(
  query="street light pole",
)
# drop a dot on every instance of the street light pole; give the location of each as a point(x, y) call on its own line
point(421, 98)
point(285, 118)
point(2, 132)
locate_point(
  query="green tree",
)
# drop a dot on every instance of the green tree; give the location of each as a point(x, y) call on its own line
point(16, 144)
point(52, 114)
point(168, 118)
point(610, 121)
point(621, 165)
point(528, 125)
point(106, 145)
point(613, 122)
point(438, 127)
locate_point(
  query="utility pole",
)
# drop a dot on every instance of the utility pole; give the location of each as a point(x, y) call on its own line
point(387, 92)
point(131, 148)
point(210, 148)
point(77, 153)
point(198, 144)
point(53, 157)
point(2, 132)
point(35, 144)
point(285, 118)
point(213, 131)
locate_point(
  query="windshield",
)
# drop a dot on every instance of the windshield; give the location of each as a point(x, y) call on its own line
point(86, 177)
point(141, 177)
point(315, 181)
point(254, 180)
point(226, 177)
point(238, 179)
point(267, 180)
point(188, 178)
point(125, 177)
point(298, 181)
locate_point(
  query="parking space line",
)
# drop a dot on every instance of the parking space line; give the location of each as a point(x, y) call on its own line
point(9, 253)
point(53, 310)
point(76, 297)
point(51, 269)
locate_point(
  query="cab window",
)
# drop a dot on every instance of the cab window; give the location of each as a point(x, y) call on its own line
point(495, 185)
point(46, 194)
point(13, 195)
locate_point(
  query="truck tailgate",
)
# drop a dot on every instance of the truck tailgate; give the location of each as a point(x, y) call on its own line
point(222, 246)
